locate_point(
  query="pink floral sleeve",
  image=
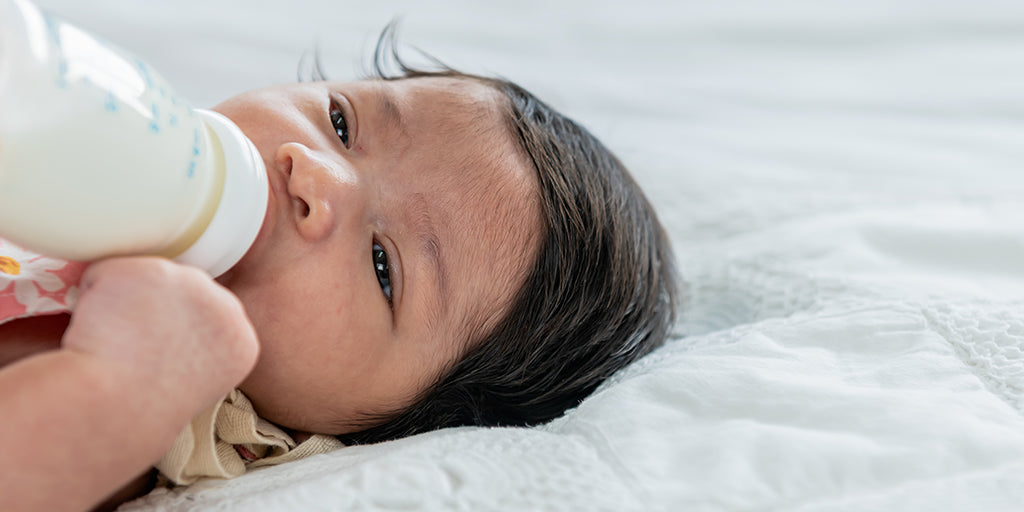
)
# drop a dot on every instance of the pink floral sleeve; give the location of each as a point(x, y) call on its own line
point(32, 285)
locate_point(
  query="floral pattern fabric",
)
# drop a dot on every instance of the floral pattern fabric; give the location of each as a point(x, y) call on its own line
point(33, 285)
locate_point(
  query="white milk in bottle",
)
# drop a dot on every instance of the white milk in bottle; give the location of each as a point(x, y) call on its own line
point(98, 157)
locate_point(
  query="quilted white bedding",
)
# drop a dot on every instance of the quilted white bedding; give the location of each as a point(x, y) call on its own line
point(844, 185)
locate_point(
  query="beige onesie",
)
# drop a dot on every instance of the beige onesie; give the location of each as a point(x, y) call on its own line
point(229, 438)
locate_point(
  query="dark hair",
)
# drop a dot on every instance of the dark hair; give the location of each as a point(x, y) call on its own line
point(601, 293)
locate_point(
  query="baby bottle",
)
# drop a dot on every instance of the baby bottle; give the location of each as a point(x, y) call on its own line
point(98, 157)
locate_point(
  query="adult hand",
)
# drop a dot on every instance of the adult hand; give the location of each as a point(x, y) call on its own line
point(164, 325)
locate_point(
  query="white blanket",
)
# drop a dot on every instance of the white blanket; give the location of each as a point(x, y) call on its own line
point(843, 184)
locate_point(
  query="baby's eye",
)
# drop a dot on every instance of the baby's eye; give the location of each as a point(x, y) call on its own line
point(339, 123)
point(380, 267)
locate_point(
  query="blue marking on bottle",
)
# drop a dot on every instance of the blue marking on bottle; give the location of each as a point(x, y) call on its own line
point(144, 69)
point(111, 103)
point(62, 64)
point(153, 124)
point(51, 27)
point(195, 153)
point(62, 73)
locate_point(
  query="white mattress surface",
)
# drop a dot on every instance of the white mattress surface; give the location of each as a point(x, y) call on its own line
point(843, 185)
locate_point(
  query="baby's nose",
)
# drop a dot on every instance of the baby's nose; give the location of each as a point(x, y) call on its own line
point(317, 185)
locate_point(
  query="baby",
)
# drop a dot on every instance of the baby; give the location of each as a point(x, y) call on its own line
point(439, 249)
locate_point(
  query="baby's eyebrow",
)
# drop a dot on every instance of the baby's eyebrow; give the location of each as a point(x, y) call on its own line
point(429, 245)
point(389, 110)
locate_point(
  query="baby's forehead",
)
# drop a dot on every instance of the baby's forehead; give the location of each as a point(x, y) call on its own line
point(456, 95)
point(462, 121)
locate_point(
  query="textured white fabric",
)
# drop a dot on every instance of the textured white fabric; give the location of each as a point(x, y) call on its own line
point(843, 183)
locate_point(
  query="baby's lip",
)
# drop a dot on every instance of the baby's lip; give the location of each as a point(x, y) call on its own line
point(275, 184)
point(273, 193)
point(278, 181)
point(297, 208)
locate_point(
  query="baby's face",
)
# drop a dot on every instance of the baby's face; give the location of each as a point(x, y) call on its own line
point(402, 218)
